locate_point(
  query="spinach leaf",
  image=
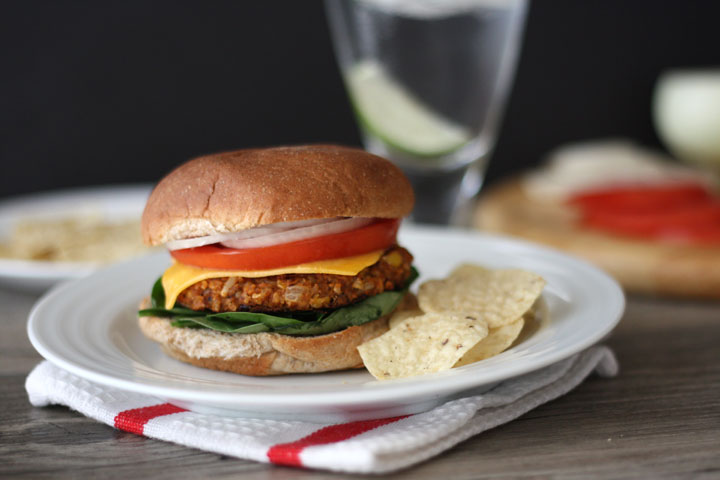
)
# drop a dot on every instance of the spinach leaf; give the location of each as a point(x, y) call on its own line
point(157, 297)
point(272, 321)
point(219, 325)
point(357, 314)
point(414, 274)
point(173, 312)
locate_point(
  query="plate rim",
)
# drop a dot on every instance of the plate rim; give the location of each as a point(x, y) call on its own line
point(442, 383)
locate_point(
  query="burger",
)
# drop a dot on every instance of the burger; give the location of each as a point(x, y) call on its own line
point(284, 259)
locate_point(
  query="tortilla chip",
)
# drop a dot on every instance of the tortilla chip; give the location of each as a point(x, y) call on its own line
point(402, 315)
point(422, 344)
point(497, 341)
point(500, 297)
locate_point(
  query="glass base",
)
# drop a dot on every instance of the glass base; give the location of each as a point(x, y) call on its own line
point(443, 197)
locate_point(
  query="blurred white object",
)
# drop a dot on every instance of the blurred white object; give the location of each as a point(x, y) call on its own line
point(686, 110)
point(586, 166)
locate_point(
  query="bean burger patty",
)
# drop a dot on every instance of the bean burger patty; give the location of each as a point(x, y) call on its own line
point(298, 292)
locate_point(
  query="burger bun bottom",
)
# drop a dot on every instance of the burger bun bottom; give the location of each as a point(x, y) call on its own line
point(262, 354)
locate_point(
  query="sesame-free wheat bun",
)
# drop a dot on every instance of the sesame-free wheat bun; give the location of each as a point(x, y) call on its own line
point(233, 191)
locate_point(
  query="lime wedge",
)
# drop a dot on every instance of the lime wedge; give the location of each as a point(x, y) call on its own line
point(393, 114)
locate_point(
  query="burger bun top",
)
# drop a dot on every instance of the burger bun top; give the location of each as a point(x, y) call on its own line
point(234, 191)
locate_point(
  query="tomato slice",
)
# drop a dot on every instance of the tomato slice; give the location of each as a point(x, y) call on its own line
point(642, 197)
point(681, 216)
point(686, 213)
point(375, 236)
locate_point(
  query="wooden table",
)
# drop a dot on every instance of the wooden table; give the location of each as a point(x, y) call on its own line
point(659, 418)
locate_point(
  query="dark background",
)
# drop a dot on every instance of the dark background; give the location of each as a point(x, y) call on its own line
point(115, 92)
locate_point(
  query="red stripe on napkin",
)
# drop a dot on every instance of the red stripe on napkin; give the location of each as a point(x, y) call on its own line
point(134, 420)
point(289, 453)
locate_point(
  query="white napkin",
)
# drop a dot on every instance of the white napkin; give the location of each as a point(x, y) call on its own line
point(371, 446)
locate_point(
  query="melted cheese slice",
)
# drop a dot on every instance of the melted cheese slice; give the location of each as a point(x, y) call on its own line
point(179, 277)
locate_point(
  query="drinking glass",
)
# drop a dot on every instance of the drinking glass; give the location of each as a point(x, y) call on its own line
point(428, 80)
point(686, 111)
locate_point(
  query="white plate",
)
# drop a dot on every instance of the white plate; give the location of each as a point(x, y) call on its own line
point(110, 202)
point(89, 328)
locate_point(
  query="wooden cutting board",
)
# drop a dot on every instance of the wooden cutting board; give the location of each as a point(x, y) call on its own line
point(640, 266)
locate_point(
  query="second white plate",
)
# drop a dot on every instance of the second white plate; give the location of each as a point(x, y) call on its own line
point(89, 327)
point(112, 202)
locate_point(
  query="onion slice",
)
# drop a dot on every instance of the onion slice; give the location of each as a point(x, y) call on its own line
point(277, 233)
point(198, 241)
point(296, 234)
